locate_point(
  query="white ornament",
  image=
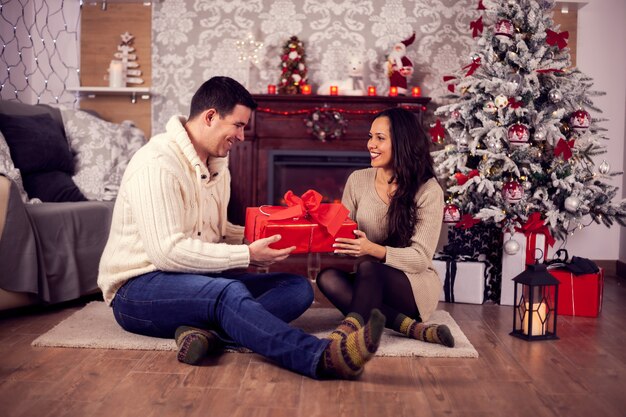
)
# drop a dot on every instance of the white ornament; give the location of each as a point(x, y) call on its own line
point(501, 101)
point(511, 247)
point(572, 204)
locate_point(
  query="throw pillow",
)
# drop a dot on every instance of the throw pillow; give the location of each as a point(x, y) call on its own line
point(37, 143)
point(7, 168)
point(102, 151)
point(53, 186)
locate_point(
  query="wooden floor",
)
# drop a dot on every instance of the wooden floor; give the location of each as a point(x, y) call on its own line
point(582, 374)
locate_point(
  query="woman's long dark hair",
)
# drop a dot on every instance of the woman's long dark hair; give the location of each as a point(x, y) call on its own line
point(412, 167)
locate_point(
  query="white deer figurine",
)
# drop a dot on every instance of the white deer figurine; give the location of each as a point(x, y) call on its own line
point(350, 86)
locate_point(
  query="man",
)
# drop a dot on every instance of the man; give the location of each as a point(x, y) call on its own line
point(167, 267)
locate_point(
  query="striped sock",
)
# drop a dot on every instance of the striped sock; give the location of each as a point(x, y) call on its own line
point(350, 324)
point(345, 357)
point(194, 344)
point(432, 333)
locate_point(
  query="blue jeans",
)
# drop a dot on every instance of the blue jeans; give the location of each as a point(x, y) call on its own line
point(251, 309)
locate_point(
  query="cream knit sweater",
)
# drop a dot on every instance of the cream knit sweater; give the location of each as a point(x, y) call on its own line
point(170, 215)
point(370, 212)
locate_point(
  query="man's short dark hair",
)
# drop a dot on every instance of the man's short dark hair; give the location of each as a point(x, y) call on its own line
point(222, 94)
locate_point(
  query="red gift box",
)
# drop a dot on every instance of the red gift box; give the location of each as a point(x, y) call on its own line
point(579, 295)
point(305, 223)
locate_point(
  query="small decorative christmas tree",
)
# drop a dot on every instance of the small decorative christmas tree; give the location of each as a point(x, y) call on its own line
point(125, 54)
point(518, 139)
point(293, 67)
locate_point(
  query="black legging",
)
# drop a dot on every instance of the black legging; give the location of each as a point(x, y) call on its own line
point(374, 285)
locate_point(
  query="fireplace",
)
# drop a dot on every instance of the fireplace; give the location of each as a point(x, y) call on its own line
point(299, 170)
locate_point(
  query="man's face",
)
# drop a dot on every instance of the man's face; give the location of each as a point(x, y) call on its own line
point(223, 132)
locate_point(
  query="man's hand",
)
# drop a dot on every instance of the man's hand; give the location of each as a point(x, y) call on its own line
point(262, 255)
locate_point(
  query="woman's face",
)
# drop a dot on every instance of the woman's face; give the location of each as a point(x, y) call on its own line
point(379, 143)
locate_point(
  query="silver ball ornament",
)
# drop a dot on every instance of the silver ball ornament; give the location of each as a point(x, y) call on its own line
point(527, 185)
point(572, 204)
point(604, 167)
point(555, 95)
point(511, 247)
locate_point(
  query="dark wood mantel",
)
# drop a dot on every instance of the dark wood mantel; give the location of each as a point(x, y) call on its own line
point(279, 123)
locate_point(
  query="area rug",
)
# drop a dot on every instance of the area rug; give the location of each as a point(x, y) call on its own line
point(95, 327)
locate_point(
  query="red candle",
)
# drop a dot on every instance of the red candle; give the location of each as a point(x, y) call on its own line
point(416, 91)
point(306, 89)
point(393, 91)
point(371, 90)
point(271, 89)
point(334, 90)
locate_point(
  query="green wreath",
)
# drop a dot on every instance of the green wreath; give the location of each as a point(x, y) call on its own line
point(326, 125)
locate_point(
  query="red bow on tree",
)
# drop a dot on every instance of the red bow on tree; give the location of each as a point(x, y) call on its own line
point(514, 103)
point(466, 222)
point(481, 6)
point(437, 132)
point(462, 178)
point(477, 27)
point(559, 39)
point(564, 148)
point(331, 216)
point(472, 67)
point(447, 78)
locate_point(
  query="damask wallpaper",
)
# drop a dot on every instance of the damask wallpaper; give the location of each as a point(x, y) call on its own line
point(195, 40)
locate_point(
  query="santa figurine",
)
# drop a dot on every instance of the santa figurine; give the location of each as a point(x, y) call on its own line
point(399, 66)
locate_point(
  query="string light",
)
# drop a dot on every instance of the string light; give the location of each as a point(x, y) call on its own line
point(27, 78)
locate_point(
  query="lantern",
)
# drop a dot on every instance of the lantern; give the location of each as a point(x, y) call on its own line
point(535, 310)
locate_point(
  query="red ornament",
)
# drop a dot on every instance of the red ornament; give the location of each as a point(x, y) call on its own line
point(512, 191)
point(580, 120)
point(518, 134)
point(504, 28)
point(451, 213)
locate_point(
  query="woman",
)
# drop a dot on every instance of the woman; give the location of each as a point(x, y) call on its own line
point(398, 205)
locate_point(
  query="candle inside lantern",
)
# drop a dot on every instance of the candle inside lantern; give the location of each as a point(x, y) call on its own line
point(539, 313)
point(305, 89)
point(116, 74)
point(334, 90)
point(393, 91)
point(416, 91)
point(271, 89)
point(371, 90)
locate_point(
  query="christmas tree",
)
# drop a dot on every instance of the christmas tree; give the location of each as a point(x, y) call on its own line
point(517, 140)
point(293, 67)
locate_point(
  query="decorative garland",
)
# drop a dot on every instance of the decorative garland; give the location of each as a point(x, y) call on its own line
point(327, 123)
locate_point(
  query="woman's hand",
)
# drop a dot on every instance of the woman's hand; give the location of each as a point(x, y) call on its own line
point(359, 247)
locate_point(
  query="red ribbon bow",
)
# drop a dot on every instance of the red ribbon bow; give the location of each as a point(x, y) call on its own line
point(472, 67)
point(330, 216)
point(437, 132)
point(533, 226)
point(447, 78)
point(514, 103)
point(564, 148)
point(477, 27)
point(559, 39)
point(466, 222)
point(481, 6)
point(462, 178)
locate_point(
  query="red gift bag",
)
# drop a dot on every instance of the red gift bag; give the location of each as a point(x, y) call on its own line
point(579, 295)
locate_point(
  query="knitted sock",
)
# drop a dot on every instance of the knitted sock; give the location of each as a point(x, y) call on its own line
point(350, 324)
point(345, 357)
point(433, 333)
point(194, 344)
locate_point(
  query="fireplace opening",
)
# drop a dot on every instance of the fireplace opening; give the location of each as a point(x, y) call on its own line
point(323, 171)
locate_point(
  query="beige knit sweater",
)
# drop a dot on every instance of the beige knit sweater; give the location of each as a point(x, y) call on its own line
point(370, 212)
point(170, 214)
